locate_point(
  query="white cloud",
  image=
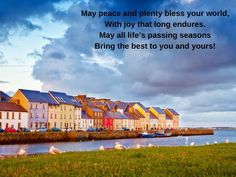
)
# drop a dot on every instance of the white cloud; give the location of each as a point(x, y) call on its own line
point(187, 1)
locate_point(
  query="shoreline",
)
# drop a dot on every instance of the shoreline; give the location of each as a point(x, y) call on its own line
point(47, 137)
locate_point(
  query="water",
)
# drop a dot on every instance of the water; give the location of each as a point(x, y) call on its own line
point(220, 136)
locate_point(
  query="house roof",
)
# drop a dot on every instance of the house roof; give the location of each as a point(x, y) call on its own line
point(143, 107)
point(152, 116)
point(75, 102)
point(8, 106)
point(96, 109)
point(63, 98)
point(114, 115)
point(4, 96)
point(99, 103)
point(122, 105)
point(111, 104)
point(159, 110)
point(173, 111)
point(37, 96)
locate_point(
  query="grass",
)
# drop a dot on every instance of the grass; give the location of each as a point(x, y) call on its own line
point(214, 160)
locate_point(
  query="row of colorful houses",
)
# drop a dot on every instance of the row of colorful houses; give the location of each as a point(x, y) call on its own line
point(34, 109)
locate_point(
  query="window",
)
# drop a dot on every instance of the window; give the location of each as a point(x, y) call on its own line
point(64, 116)
point(7, 115)
point(61, 116)
point(31, 125)
point(0, 115)
point(70, 116)
point(31, 106)
point(43, 106)
point(0, 124)
point(31, 115)
point(19, 125)
point(36, 106)
point(55, 116)
point(51, 116)
point(43, 115)
point(19, 116)
point(65, 108)
point(55, 124)
point(13, 115)
point(61, 124)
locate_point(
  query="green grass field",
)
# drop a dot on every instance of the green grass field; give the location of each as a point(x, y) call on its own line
point(214, 160)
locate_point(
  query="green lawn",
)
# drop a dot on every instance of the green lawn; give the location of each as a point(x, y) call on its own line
point(214, 160)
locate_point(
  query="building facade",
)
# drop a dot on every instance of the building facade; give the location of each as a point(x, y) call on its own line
point(13, 116)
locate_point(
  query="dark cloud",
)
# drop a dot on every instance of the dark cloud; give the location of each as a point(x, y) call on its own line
point(15, 14)
point(201, 81)
point(199, 84)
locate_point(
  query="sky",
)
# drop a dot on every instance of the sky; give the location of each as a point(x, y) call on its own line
point(47, 45)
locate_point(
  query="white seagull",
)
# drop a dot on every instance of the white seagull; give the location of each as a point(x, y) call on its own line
point(138, 146)
point(215, 142)
point(150, 145)
point(192, 144)
point(118, 146)
point(54, 150)
point(207, 143)
point(21, 152)
point(101, 148)
point(227, 141)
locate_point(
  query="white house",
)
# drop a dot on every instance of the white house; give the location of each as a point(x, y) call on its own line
point(12, 116)
point(85, 122)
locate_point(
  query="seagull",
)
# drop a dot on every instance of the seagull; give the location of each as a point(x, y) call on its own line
point(54, 150)
point(119, 146)
point(215, 142)
point(227, 141)
point(101, 148)
point(21, 152)
point(138, 146)
point(192, 144)
point(207, 143)
point(150, 145)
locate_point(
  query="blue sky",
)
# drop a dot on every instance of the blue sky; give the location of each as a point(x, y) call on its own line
point(47, 45)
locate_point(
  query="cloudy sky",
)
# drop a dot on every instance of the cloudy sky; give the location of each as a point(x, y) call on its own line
point(47, 45)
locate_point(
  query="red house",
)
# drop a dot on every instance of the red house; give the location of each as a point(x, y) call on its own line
point(108, 120)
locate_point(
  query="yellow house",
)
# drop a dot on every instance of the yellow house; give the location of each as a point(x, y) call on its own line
point(160, 114)
point(174, 116)
point(143, 114)
point(66, 113)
